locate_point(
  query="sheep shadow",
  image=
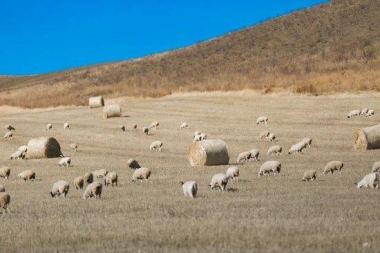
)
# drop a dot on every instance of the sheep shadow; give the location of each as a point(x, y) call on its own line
point(232, 189)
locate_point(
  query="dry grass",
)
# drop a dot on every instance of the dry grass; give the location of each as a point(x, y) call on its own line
point(326, 49)
point(281, 214)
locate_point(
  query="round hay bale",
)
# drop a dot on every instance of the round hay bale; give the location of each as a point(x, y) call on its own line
point(43, 147)
point(367, 138)
point(95, 102)
point(208, 152)
point(110, 111)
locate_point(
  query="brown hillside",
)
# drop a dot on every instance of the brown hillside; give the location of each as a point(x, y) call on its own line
point(329, 48)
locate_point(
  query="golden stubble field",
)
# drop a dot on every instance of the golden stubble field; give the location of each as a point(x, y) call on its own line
point(269, 214)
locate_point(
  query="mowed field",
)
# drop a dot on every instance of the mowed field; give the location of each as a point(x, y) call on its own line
point(267, 214)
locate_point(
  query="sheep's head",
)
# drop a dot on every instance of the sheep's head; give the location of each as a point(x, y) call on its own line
point(181, 183)
point(52, 194)
point(260, 174)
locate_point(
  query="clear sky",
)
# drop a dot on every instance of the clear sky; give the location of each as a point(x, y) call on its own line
point(42, 36)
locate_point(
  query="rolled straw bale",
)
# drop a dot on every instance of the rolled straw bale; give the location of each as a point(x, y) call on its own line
point(367, 138)
point(95, 102)
point(43, 147)
point(208, 152)
point(110, 111)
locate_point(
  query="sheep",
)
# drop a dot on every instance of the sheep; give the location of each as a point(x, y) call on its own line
point(307, 141)
point(376, 167)
point(93, 190)
point(111, 178)
point(297, 148)
point(8, 135)
point(197, 137)
point(79, 182)
point(146, 130)
point(60, 187)
point(270, 166)
point(2, 188)
point(27, 175)
point(264, 135)
point(5, 172)
point(154, 125)
point(133, 164)
point(23, 148)
point(88, 178)
point(73, 146)
point(274, 150)
point(189, 188)
point(183, 125)
point(156, 146)
point(364, 111)
point(353, 113)
point(66, 126)
point(10, 128)
point(5, 200)
point(48, 127)
point(244, 157)
point(233, 173)
point(65, 161)
point(203, 136)
point(262, 120)
point(17, 155)
point(219, 180)
point(309, 175)
point(370, 113)
point(197, 133)
point(122, 127)
point(332, 166)
point(100, 173)
point(254, 154)
point(271, 137)
point(140, 174)
point(371, 180)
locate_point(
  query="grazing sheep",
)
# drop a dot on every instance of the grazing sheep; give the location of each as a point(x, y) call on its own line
point(79, 182)
point(198, 137)
point(203, 136)
point(254, 154)
point(271, 137)
point(364, 111)
point(27, 175)
point(88, 177)
point(2, 188)
point(23, 148)
point(275, 150)
point(183, 125)
point(309, 175)
point(8, 135)
point(100, 173)
point(140, 174)
point(17, 155)
point(133, 164)
point(297, 148)
point(354, 113)
point(93, 190)
point(146, 130)
point(233, 173)
point(332, 166)
point(262, 120)
point(65, 161)
point(244, 157)
point(122, 127)
point(5, 172)
point(66, 126)
point(60, 187)
point(73, 146)
point(219, 180)
point(370, 113)
point(154, 125)
point(270, 166)
point(48, 127)
point(10, 128)
point(307, 141)
point(264, 135)
point(156, 146)
point(376, 167)
point(371, 180)
point(110, 179)
point(189, 188)
point(5, 200)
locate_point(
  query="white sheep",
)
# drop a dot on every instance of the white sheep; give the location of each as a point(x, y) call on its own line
point(156, 146)
point(297, 148)
point(100, 173)
point(8, 135)
point(275, 150)
point(73, 146)
point(23, 148)
point(244, 157)
point(48, 127)
point(189, 188)
point(309, 175)
point(332, 166)
point(197, 137)
point(364, 111)
point(154, 125)
point(111, 179)
point(66, 126)
point(5, 200)
point(353, 113)
point(370, 180)
point(264, 135)
point(219, 180)
point(270, 166)
point(93, 190)
point(17, 155)
point(5, 172)
point(65, 161)
point(307, 141)
point(140, 174)
point(370, 113)
point(254, 154)
point(183, 125)
point(376, 167)
point(27, 175)
point(232, 173)
point(271, 137)
point(262, 120)
point(10, 128)
point(146, 130)
point(203, 136)
point(79, 182)
point(88, 177)
point(122, 127)
point(60, 187)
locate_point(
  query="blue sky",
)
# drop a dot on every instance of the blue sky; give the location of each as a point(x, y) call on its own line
point(44, 36)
